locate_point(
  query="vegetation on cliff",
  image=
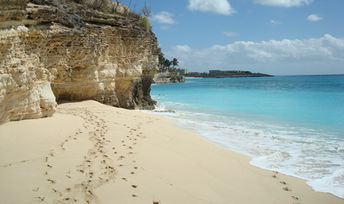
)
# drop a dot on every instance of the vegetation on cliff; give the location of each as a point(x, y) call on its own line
point(168, 71)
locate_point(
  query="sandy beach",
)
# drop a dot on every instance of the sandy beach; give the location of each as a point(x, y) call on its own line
point(93, 153)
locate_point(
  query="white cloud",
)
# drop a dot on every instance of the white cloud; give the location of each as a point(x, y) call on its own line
point(183, 48)
point(314, 18)
point(275, 22)
point(283, 3)
point(230, 34)
point(222, 7)
point(164, 17)
point(306, 56)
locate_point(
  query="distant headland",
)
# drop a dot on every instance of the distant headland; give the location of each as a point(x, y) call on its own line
point(226, 74)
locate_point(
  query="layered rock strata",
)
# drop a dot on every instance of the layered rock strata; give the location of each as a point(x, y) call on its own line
point(53, 51)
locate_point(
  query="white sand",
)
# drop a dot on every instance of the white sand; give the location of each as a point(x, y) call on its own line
point(92, 153)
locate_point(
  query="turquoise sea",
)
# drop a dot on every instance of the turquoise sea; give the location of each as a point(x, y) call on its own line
point(291, 124)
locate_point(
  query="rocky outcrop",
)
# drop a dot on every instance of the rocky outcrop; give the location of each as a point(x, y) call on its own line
point(168, 77)
point(52, 51)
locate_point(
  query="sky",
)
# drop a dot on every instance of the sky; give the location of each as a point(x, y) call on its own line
point(281, 37)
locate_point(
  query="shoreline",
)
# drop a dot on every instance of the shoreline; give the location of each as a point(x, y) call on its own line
point(294, 139)
point(249, 157)
point(90, 152)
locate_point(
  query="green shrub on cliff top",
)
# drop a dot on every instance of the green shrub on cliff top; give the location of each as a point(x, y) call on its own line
point(144, 19)
point(145, 23)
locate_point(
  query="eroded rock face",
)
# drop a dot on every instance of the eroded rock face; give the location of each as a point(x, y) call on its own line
point(25, 90)
point(54, 52)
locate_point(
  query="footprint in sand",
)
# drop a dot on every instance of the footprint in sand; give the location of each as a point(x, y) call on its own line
point(275, 174)
point(283, 182)
point(51, 181)
point(286, 189)
point(295, 198)
point(41, 199)
point(35, 189)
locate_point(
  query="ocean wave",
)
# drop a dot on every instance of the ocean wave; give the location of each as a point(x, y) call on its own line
point(310, 154)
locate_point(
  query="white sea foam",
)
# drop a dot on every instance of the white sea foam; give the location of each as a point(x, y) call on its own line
point(309, 154)
point(162, 109)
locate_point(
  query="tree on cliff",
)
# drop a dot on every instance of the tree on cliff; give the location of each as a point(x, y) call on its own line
point(161, 58)
point(175, 62)
point(165, 64)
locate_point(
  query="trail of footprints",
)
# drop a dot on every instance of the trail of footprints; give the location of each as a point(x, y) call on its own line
point(127, 145)
point(285, 187)
point(98, 157)
point(98, 167)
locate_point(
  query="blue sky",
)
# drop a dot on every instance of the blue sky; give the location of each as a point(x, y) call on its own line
point(272, 36)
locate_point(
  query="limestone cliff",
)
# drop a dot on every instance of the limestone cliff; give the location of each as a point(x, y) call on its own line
point(63, 51)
